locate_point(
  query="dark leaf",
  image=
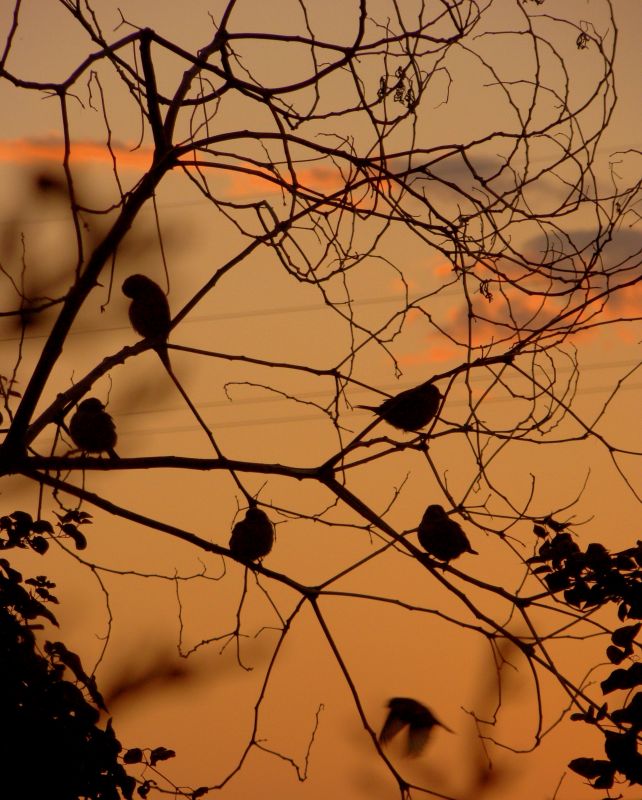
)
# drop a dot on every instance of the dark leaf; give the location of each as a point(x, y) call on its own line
point(42, 526)
point(631, 714)
point(69, 529)
point(623, 678)
point(127, 785)
point(160, 754)
point(596, 596)
point(556, 526)
point(22, 518)
point(12, 574)
point(144, 789)
point(75, 515)
point(597, 556)
point(39, 544)
point(621, 748)
point(615, 655)
point(590, 767)
point(45, 594)
point(605, 781)
point(133, 756)
point(624, 561)
point(79, 540)
point(562, 544)
point(577, 595)
point(623, 637)
point(557, 581)
point(41, 580)
point(635, 603)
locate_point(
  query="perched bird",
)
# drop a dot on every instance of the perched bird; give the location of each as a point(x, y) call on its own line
point(149, 312)
point(406, 712)
point(252, 538)
point(92, 428)
point(442, 537)
point(410, 410)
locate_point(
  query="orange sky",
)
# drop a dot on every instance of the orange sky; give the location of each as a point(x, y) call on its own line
point(262, 310)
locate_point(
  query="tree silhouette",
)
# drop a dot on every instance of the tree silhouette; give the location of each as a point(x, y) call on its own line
point(51, 743)
point(425, 181)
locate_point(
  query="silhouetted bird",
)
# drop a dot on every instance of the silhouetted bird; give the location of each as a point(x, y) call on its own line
point(442, 537)
point(149, 311)
point(410, 410)
point(252, 538)
point(406, 712)
point(92, 428)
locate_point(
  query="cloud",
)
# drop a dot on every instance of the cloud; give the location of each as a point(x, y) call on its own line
point(316, 181)
point(435, 354)
point(319, 180)
point(51, 149)
point(511, 309)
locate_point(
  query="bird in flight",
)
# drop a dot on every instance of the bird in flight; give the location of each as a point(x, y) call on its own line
point(404, 712)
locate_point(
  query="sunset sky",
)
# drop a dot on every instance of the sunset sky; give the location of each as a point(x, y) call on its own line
point(155, 597)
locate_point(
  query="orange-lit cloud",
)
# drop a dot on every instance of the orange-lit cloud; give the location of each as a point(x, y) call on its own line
point(315, 180)
point(433, 354)
point(512, 309)
point(51, 150)
point(443, 269)
point(318, 180)
point(245, 180)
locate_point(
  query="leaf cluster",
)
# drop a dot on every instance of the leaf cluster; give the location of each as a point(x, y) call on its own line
point(593, 578)
point(20, 529)
point(51, 742)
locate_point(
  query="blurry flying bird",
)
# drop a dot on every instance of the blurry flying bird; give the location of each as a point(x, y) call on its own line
point(149, 312)
point(411, 409)
point(252, 538)
point(406, 712)
point(92, 428)
point(442, 537)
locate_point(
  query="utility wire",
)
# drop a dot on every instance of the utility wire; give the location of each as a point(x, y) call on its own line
point(250, 423)
point(266, 312)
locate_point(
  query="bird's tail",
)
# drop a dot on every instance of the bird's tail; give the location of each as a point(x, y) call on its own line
point(163, 354)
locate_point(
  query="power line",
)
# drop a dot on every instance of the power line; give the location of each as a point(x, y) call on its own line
point(266, 312)
point(306, 418)
point(392, 387)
